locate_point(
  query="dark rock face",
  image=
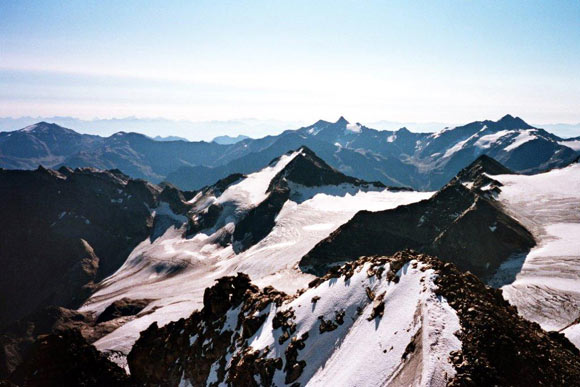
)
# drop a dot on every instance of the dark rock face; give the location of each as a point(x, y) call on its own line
point(498, 346)
point(122, 307)
point(65, 359)
point(17, 339)
point(461, 225)
point(61, 232)
point(259, 221)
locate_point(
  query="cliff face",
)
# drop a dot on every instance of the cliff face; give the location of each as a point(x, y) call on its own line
point(63, 231)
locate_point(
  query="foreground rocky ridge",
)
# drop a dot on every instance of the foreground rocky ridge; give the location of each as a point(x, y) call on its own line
point(498, 347)
point(461, 223)
point(460, 333)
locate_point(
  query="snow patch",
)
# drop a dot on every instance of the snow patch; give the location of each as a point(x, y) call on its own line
point(572, 144)
point(523, 137)
point(356, 128)
point(485, 142)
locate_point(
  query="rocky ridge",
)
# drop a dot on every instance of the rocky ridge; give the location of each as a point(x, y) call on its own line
point(219, 344)
point(461, 223)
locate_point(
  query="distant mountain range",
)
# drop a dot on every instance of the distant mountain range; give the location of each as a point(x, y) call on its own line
point(228, 140)
point(398, 158)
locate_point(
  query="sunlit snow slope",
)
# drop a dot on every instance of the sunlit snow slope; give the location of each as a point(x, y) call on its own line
point(174, 270)
point(547, 289)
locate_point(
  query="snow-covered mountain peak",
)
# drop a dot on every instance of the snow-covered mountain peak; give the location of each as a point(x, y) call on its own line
point(46, 128)
point(510, 122)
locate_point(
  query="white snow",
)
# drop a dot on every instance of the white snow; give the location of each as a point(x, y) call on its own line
point(523, 137)
point(547, 289)
point(251, 191)
point(356, 128)
point(439, 133)
point(572, 144)
point(363, 352)
point(174, 271)
point(487, 141)
point(392, 138)
point(29, 128)
point(455, 148)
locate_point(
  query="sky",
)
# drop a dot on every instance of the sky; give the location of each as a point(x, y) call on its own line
point(291, 61)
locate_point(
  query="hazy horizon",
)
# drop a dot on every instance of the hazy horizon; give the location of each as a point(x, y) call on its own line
point(252, 127)
point(450, 62)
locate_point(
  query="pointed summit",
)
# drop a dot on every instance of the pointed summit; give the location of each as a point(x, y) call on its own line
point(510, 122)
point(311, 171)
point(483, 164)
point(342, 121)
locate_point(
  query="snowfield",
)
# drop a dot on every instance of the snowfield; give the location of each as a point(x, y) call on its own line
point(174, 271)
point(547, 289)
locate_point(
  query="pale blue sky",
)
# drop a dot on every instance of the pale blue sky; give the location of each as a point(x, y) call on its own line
point(447, 61)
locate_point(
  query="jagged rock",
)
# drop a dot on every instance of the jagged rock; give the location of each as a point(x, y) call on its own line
point(174, 198)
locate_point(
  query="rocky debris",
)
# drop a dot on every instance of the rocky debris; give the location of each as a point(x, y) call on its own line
point(123, 307)
point(499, 347)
point(293, 366)
point(66, 359)
point(246, 365)
point(466, 226)
point(284, 319)
point(339, 316)
point(378, 308)
point(315, 299)
point(326, 325)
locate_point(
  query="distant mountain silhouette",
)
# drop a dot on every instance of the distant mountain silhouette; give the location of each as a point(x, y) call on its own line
point(396, 158)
